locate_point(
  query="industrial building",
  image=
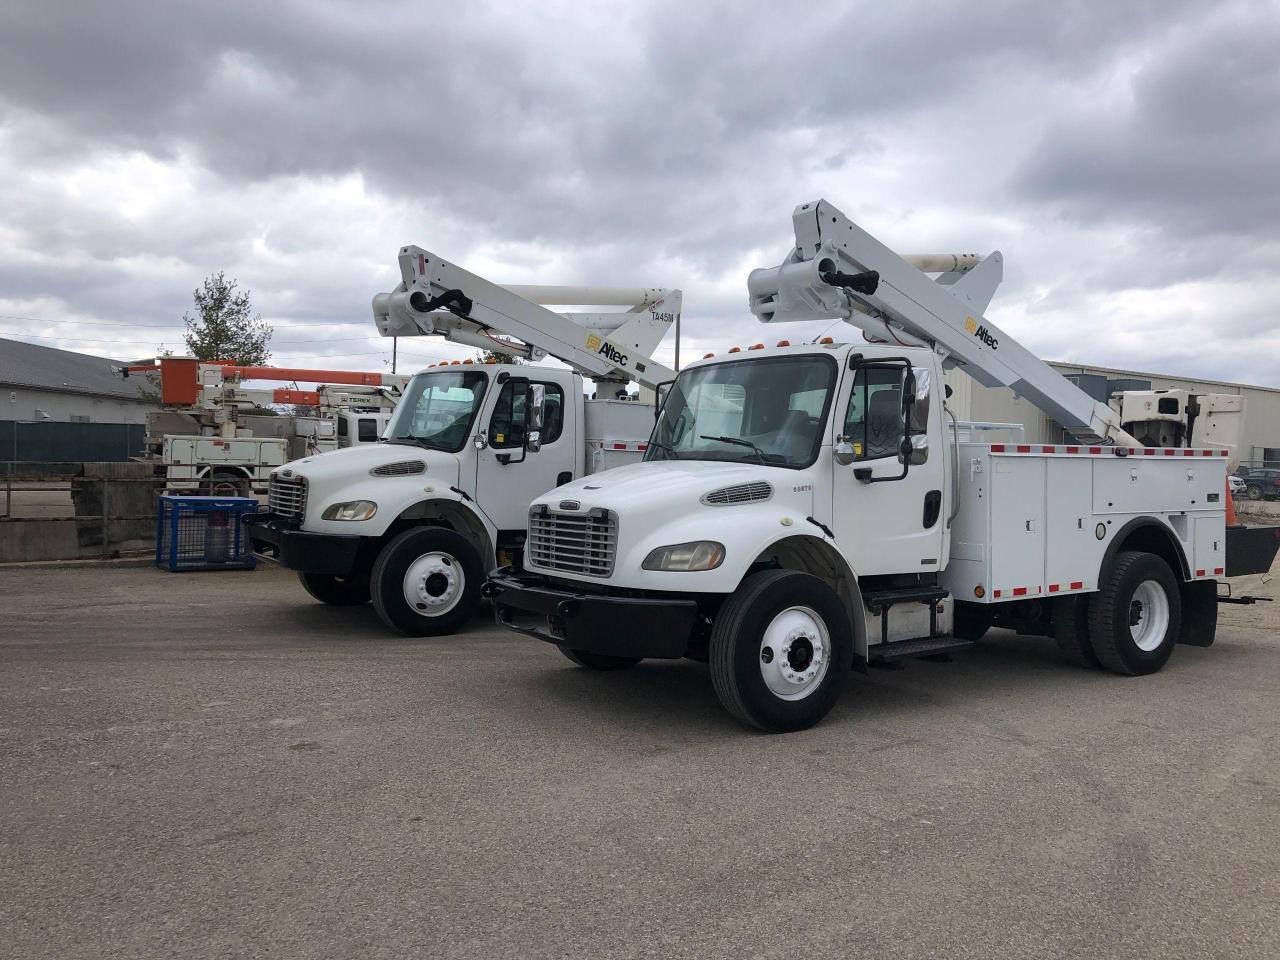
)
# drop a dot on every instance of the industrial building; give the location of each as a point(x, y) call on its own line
point(42, 384)
point(57, 405)
point(1260, 444)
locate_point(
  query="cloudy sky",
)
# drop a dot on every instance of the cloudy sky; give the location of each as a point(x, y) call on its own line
point(1125, 156)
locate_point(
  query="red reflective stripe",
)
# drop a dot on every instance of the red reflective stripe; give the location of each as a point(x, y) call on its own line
point(997, 448)
point(1019, 591)
point(1024, 448)
point(997, 593)
point(618, 446)
point(1217, 571)
point(1048, 449)
point(1224, 454)
point(1077, 584)
point(642, 446)
point(1148, 451)
point(1169, 452)
point(1073, 449)
point(1206, 453)
point(1188, 453)
point(1054, 588)
point(1095, 449)
point(1199, 573)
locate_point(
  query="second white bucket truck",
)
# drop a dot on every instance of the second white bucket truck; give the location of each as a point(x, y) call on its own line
point(807, 508)
point(415, 522)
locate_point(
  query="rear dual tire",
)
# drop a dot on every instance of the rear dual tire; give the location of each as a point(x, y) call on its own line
point(1135, 619)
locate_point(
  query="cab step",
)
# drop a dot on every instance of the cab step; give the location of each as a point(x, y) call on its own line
point(923, 647)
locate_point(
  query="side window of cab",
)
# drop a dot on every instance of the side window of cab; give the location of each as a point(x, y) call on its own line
point(873, 421)
point(506, 426)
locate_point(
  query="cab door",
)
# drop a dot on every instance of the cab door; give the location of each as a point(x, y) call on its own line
point(889, 517)
point(509, 477)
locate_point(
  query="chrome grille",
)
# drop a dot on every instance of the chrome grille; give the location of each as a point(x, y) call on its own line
point(287, 496)
point(573, 542)
point(752, 492)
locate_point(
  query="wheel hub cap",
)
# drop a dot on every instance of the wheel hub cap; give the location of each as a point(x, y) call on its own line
point(1148, 616)
point(795, 653)
point(434, 584)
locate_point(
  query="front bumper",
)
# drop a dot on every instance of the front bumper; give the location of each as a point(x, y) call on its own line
point(615, 626)
point(296, 549)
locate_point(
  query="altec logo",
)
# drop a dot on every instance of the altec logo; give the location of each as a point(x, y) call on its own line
point(612, 354)
point(981, 332)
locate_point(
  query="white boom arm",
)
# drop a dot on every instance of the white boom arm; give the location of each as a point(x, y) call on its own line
point(436, 297)
point(838, 271)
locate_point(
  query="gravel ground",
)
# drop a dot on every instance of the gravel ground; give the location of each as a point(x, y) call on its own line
point(211, 765)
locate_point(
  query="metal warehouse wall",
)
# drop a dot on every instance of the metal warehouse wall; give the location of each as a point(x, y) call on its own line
point(1261, 441)
point(25, 403)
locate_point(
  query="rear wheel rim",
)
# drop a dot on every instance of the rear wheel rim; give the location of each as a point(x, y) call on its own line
point(1148, 616)
point(795, 653)
point(434, 584)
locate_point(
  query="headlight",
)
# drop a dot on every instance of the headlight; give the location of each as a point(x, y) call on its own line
point(696, 555)
point(351, 510)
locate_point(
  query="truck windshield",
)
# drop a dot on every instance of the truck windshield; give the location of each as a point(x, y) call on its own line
point(437, 409)
point(768, 411)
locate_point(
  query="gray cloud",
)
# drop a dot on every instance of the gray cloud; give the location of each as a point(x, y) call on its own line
point(1108, 149)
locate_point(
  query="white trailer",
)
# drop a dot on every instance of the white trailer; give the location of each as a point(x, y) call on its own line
point(807, 508)
point(414, 522)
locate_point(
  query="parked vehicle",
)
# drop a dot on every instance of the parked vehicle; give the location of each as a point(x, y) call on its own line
point(1262, 484)
point(1238, 486)
point(416, 521)
point(807, 508)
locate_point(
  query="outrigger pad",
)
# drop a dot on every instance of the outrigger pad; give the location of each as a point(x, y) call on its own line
point(1251, 549)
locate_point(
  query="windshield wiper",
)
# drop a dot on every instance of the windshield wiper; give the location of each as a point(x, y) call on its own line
point(414, 441)
point(739, 442)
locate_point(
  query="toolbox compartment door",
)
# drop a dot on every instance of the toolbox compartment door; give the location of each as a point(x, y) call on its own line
point(1017, 524)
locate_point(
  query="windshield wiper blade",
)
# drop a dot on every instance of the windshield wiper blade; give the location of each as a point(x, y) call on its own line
point(738, 442)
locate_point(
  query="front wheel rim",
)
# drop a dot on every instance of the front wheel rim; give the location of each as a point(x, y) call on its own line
point(795, 653)
point(1148, 616)
point(434, 584)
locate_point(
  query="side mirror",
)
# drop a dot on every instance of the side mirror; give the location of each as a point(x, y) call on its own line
point(535, 414)
point(843, 452)
point(919, 387)
point(915, 450)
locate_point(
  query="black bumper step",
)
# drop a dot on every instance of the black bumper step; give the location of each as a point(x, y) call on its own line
point(924, 647)
point(877, 600)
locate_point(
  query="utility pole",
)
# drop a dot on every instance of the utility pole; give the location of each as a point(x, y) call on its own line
point(395, 342)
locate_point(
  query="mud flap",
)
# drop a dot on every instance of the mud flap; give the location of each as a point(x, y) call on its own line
point(1199, 613)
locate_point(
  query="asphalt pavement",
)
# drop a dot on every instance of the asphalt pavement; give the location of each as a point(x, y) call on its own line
point(213, 765)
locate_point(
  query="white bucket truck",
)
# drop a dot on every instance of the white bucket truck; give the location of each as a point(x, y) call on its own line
point(807, 508)
point(415, 522)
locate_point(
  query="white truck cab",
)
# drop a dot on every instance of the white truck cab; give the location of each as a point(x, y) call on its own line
point(804, 509)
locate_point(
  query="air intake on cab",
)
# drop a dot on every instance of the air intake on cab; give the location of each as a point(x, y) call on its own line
point(752, 492)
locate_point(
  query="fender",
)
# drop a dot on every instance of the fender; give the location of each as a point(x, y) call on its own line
point(816, 556)
point(451, 510)
point(1153, 536)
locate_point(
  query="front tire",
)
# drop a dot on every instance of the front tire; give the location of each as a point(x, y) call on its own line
point(336, 591)
point(1135, 618)
point(1254, 492)
point(426, 582)
point(598, 661)
point(781, 649)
